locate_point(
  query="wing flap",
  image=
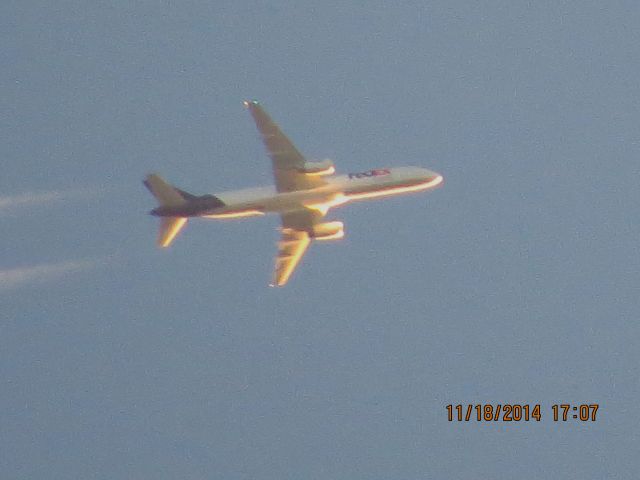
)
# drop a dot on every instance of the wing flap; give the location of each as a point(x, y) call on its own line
point(293, 243)
point(290, 251)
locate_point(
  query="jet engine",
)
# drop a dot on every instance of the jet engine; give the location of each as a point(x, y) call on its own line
point(322, 167)
point(327, 231)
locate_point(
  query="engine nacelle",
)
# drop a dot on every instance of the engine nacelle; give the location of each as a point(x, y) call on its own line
point(323, 167)
point(327, 231)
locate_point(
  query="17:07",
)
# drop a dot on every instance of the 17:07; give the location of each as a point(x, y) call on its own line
point(584, 412)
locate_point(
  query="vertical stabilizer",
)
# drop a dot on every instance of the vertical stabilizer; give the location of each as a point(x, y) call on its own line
point(164, 193)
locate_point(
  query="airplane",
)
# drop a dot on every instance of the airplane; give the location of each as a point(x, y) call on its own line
point(303, 194)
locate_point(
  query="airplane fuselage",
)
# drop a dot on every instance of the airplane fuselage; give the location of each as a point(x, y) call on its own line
point(303, 192)
point(339, 189)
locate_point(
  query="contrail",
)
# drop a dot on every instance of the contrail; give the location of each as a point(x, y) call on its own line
point(40, 198)
point(17, 277)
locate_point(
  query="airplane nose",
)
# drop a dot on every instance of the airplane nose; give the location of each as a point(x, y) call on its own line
point(430, 174)
point(433, 177)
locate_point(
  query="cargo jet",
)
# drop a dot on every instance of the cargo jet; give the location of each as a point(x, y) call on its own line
point(303, 194)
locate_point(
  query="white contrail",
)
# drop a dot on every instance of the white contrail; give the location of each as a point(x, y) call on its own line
point(41, 198)
point(17, 277)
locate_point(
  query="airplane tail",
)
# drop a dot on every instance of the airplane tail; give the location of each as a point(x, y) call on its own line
point(169, 196)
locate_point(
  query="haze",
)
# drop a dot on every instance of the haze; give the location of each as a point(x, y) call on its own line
point(515, 282)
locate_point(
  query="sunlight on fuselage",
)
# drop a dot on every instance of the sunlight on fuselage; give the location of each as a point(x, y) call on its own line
point(323, 208)
point(396, 190)
point(244, 213)
point(341, 198)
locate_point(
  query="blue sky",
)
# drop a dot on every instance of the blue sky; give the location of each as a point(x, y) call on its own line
point(517, 282)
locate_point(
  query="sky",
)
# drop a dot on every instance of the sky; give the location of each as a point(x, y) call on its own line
point(516, 282)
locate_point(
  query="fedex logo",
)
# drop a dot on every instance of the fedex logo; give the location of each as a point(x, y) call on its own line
point(371, 173)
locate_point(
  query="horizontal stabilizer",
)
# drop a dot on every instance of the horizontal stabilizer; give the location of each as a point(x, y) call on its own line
point(169, 229)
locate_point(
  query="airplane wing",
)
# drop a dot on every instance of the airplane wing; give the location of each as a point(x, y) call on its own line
point(293, 242)
point(287, 161)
